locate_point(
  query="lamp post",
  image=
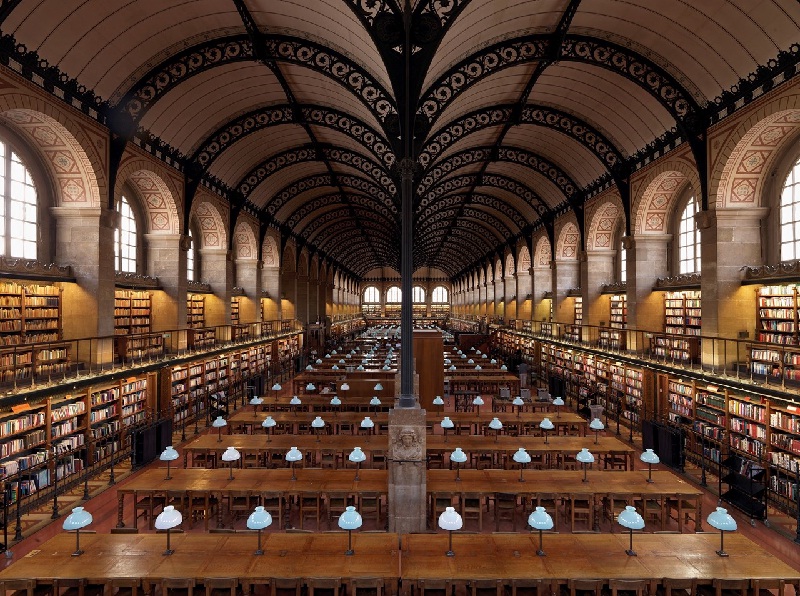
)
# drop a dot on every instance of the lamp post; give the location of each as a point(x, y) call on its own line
point(585, 458)
point(438, 401)
point(219, 423)
point(255, 402)
point(375, 402)
point(450, 520)
point(478, 401)
point(336, 403)
point(649, 457)
point(496, 426)
point(317, 424)
point(350, 520)
point(293, 403)
point(630, 518)
point(458, 457)
point(276, 388)
point(166, 520)
point(522, 457)
point(310, 388)
point(546, 424)
point(519, 403)
point(258, 520)
point(292, 456)
point(558, 402)
point(357, 456)
point(721, 520)
point(367, 424)
point(540, 520)
point(596, 425)
point(268, 423)
point(168, 455)
point(446, 423)
point(78, 519)
point(231, 454)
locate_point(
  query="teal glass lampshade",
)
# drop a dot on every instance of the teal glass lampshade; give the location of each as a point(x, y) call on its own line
point(521, 456)
point(585, 456)
point(277, 387)
point(540, 520)
point(327, 355)
point(518, 401)
point(478, 352)
point(463, 355)
point(452, 367)
point(493, 361)
point(546, 424)
point(478, 367)
point(386, 367)
point(470, 361)
point(447, 423)
point(344, 387)
point(268, 422)
point(258, 520)
point(558, 401)
point(478, 401)
point(375, 401)
point(77, 520)
point(318, 361)
point(293, 455)
point(166, 520)
point(721, 520)
point(219, 422)
point(335, 401)
point(309, 367)
point(295, 401)
point(458, 456)
point(378, 387)
point(341, 361)
point(311, 387)
point(504, 368)
point(357, 455)
point(360, 367)
point(596, 425)
point(484, 356)
point(256, 401)
point(318, 422)
point(367, 422)
point(438, 401)
point(169, 454)
point(334, 367)
point(649, 457)
point(629, 518)
point(496, 426)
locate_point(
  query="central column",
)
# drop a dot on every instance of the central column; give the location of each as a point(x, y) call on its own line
point(407, 399)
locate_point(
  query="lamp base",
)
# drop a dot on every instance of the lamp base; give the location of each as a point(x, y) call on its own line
point(521, 480)
point(167, 477)
point(722, 553)
point(79, 552)
point(650, 480)
point(349, 552)
point(259, 552)
point(630, 553)
point(450, 553)
point(169, 551)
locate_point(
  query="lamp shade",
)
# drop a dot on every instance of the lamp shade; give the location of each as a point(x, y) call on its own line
point(350, 519)
point(231, 454)
point(386, 367)
point(521, 456)
point(495, 424)
point(318, 422)
point(447, 423)
point(452, 367)
point(335, 401)
point(295, 401)
point(367, 422)
point(649, 456)
point(357, 455)
point(478, 352)
point(334, 367)
point(310, 387)
point(78, 519)
point(558, 402)
point(478, 367)
point(463, 355)
point(318, 361)
point(256, 401)
point(584, 456)
point(168, 518)
point(503, 367)
point(309, 367)
point(293, 455)
point(546, 424)
point(450, 520)
point(341, 361)
point(447, 361)
point(539, 519)
point(259, 519)
point(629, 518)
point(484, 356)
point(269, 422)
point(327, 355)
point(720, 519)
point(438, 401)
point(169, 454)
point(378, 387)
point(493, 361)
point(596, 424)
point(277, 387)
point(344, 387)
point(360, 367)
point(219, 422)
point(478, 401)
point(518, 401)
point(470, 361)
point(458, 456)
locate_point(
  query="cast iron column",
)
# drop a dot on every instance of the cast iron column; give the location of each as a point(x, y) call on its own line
point(407, 399)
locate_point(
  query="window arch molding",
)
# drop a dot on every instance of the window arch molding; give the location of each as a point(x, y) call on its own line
point(418, 294)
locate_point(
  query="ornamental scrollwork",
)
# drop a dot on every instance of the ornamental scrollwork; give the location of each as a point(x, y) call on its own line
point(454, 131)
point(353, 128)
point(369, 10)
point(619, 287)
point(16, 266)
point(198, 287)
point(542, 165)
point(789, 270)
point(444, 10)
point(135, 280)
point(676, 281)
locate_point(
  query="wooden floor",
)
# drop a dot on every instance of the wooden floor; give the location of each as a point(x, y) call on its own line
point(778, 538)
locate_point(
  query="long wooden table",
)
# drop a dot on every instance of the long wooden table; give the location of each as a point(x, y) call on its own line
point(275, 482)
point(562, 483)
point(201, 555)
point(587, 556)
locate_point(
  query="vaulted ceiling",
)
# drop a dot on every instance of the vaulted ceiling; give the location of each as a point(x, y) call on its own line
point(301, 108)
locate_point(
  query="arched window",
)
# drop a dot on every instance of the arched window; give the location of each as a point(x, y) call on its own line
point(18, 209)
point(190, 260)
point(394, 295)
point(125, 240)
point(372, 295)
point(623, 262)
point(689, 239)
point(790, 215)
point(418, 295)
point(440, 295)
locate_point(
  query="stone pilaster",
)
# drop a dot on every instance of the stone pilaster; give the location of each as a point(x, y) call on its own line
point(524, 290)
point(647, 261)
point(542, 282)
point(565, 277)
point(248, 277)
point(167, 262)
point(598, 269)
point(288, 295)
point(302, 307)
point(407, 479)
point(218, 271)
point(271, 283)
point(510, 298)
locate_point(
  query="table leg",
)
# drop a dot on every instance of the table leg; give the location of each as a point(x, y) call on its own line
point(219, 509)
point(698, 523)
point(597, 514)
point(120, 509)
point(185, 459)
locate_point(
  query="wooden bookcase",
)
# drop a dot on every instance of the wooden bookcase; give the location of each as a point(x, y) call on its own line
point(619, 311)
point(234, 310)
point(195, 311)
point(132, 312)
point(682, 312)
point(776, 314)
point(578, 310)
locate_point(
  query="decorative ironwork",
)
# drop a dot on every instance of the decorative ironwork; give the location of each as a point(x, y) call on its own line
point(237, 291)
point(287, 194)
point(686, 280)
point(33, 268)
point(198, 287)
point(369, 10)
point(135, 280)
point(619, 287)
point(467, 124)
point(353, 128)
point(370, 209)
point(786, 271)
point(476, 199)
point(444, 10)
point(574, 292)
point(493, 180)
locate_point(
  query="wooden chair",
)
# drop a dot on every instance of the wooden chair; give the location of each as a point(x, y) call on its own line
point(652, 509)
point(472, 506)
point(240, 503)
point(124, 530)
point(486, 587)
point(324, 586)
point(727, 586)
point(616, 460)
point(221, 531)
point(123, 586)
point(274, 503)
point(530, 587)
point(765, 587)
point(285, 587)
point(201, 505)
point(365, 586)
point(310, 508)
point(434, 587)
point(146, 503)
point(177, 586)
point(683, 510)
point(76, 587)
point(378, 458)
point(220, 586)
point(585, 586)
point(328, 459)
point(370, 507)
point(18, 587)
point(679, 587)
point(505, 508)
point(580, 506)
point(337, 502)
point(629, 587)
point(613, 505)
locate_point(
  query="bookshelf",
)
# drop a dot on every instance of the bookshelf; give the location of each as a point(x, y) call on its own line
point(195, 311)
point(198, 339)
point(611, 339)
point(776, 316)
point(619, 311)
point(132, 312)
point(572, 333)
point(234, 310)
point(682, 312)
point(578, 310)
